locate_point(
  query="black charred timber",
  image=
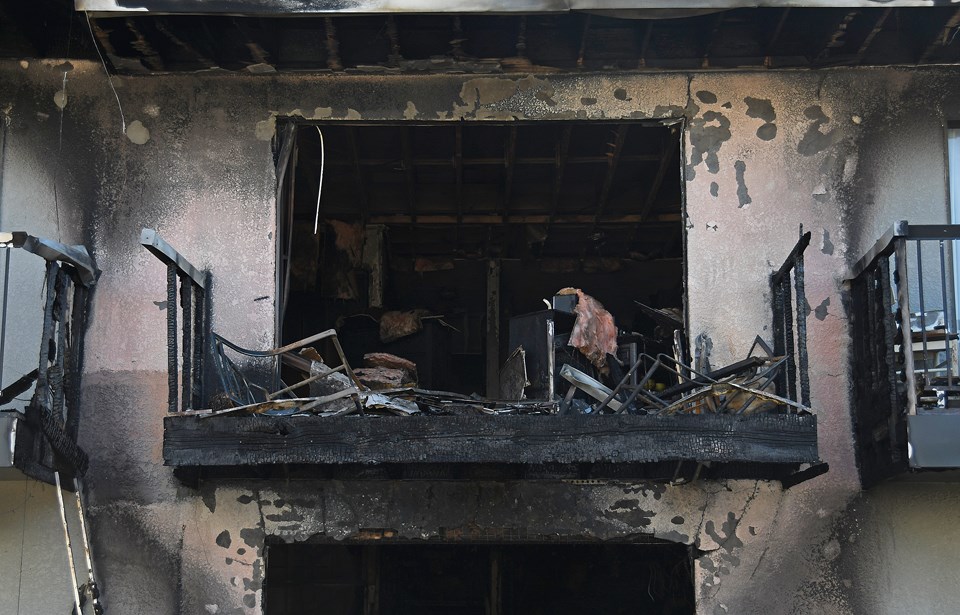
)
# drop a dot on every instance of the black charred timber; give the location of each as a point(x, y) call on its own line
point(802, 359)
point(61, 305)
point(193, 441)
point(171, 337)
point(186, 297)
point(196, 391)
point(74, 355)
point(783, 283)
point(879, 427)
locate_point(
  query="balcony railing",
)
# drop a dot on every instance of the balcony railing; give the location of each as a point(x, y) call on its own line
point(904, 357)
point(43, 436)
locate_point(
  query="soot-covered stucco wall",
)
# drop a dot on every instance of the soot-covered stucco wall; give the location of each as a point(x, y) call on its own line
point(842, 152)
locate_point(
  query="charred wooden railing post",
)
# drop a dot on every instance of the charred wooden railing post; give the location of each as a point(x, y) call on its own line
point(184, 369)
point(789, 297)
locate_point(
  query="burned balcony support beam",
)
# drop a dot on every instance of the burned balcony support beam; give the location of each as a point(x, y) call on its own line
point(247, 441)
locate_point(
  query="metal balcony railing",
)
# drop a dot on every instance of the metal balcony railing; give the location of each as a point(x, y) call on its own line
point(904, 359)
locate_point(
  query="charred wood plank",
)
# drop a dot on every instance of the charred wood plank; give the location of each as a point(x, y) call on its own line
point(943, 38)
point(240, 441)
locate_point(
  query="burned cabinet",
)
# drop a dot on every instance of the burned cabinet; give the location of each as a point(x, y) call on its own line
point(43, 435)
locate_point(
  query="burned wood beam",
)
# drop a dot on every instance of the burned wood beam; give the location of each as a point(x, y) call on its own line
point(258, 54)
point(497, 161)
point(510, 162)
point(667, 221)
point(645, 45)
point(583, 41)
point(835, 40)
point(560, 162)
point(711, 39)
point(775, 37)
point(521, 45)
point(877, 26)
point(456, 43)
point(393, 35)
point(358, 171)
point(332, 44)
point(613, 162)
point(143, 46)
point(164, 28)
point(458, 169)
point(621, 438)
point(669, 160)
point(945, 36)
point(410, 171)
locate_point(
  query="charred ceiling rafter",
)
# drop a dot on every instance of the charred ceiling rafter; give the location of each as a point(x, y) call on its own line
point(395, 58)
point(410, 172)
point(581, 55)
point(944, 37)
point(771, 45)
point(457, 41)
point(332, 44)
point(613, 161)
point(358, 172)
point(874, 31)
point(645, 44)
point(562, 153)
point(510, 161)
point(711, 38)
point(143, 46)
point(258, 55)
point(836, 39)
point(668, 160)
point(165, 28)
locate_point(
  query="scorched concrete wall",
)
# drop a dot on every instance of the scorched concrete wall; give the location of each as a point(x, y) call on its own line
point(841, 152)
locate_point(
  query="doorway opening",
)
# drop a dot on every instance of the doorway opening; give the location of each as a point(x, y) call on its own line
point(464, 230)
point(411, 579)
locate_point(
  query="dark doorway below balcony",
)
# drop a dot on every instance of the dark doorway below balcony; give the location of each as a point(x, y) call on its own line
point(479, 579)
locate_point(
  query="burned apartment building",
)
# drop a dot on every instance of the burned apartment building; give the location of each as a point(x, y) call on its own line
point(488, 307)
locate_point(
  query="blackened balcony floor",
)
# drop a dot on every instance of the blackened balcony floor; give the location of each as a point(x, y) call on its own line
point(614, 442)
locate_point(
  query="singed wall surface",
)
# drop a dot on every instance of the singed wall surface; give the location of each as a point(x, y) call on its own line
point(843, 152)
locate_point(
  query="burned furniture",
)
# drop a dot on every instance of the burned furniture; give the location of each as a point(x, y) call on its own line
point(904, 355)
point(41, 439)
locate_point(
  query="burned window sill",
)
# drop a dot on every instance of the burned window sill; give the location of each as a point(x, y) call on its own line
point(259, 441)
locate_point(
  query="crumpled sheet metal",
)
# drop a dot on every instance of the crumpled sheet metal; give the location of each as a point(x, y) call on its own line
point(594, 333)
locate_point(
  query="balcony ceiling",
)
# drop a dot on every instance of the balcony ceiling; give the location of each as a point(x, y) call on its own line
point(157, 36)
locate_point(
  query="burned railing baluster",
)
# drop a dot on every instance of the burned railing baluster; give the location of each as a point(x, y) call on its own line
point(789, 297)
point(184, 368)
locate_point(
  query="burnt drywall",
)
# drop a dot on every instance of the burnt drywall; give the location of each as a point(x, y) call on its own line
point(195, 162)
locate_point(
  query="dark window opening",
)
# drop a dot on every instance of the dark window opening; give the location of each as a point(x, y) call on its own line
point(479, 579)
point(435, 217)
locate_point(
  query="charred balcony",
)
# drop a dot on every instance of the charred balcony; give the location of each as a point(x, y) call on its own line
point(906, 393)
point(459, 301)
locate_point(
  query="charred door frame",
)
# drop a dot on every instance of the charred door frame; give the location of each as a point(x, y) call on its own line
point(285, 152)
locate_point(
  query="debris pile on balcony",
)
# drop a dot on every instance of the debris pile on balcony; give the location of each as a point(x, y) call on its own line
point(569, 359)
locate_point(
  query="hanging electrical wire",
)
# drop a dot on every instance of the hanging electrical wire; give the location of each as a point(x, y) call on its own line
point(316, 219)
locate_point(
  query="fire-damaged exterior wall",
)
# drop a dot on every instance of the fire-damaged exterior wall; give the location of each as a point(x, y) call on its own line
point(842, 152)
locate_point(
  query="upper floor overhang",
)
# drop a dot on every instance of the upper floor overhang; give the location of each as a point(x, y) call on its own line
point(623, 8)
